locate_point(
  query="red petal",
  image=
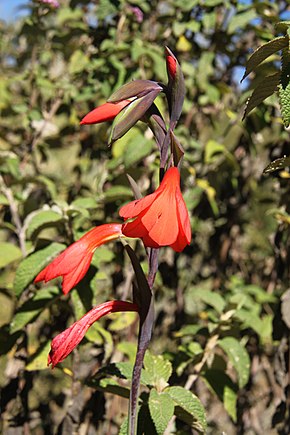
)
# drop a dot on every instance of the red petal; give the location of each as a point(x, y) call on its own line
point(73, 263)
point(105, 112)
point(64, 343)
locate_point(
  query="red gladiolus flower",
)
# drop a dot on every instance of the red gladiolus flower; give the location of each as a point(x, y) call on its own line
point(64, 343)
point(162, 217)
point(73, 263)
point(105, 112)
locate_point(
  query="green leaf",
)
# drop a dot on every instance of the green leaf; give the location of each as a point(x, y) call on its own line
point(38, 361)
point(238, 356)
point(8, 253)
point(32, 265)
point(224, 388)
point(40, 220)
point(158, 370)
point(123, 370)
point(284, 88)
point(266, 88)
point(32, 308)
point(212, 299)
point(161, 408)
point(263, 52)
point(136, 151)
point(240, 20)
point(189, 407)
point(117, 192)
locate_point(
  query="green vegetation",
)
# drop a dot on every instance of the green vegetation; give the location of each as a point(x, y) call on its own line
point(219, 354)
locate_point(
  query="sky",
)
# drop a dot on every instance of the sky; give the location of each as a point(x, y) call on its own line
point(9, 9)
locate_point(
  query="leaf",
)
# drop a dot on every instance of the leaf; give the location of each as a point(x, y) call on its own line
point(263, 52)
point(284, 88)
point(192, 410)
point(38, 361)
point(32, 265)
point(240, 20)
point(161, 407)
point(32, 308)
point(224, 388)
point(136, 151)
point(35, 222)
point(122, 370)
point(239, 358)
point(117, 192)
point(136, 88)
point(213, 299)
point(8, 253)
point(158, 370)
point(277, 164)
point(266, 88)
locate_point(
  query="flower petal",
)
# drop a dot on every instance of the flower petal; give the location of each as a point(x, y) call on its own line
point(64, 343)
point(73, 263)
point(105, 112)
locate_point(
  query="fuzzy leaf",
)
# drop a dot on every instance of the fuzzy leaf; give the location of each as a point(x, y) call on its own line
point(161, 407)
point(284, 88)
point(8, 253)
point(42, 219)
point(32, 265)
point(263, 52)
point(239, 358)
point(32, 308)
point(268, 86)
point(133, 89)
point(158, 369)
point(189, 407)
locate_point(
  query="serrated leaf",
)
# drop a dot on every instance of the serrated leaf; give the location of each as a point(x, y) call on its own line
point(158, 369)
point(123, 370)
point(134, 89)
point(41, 220)
point(224, 388)
point(32, 308)
point(263, 52)
point(191, 409)
point(277, 164)
point(8, 253)
point(239, 358)
point(284, 88)
point(161, 407)
point(32, 265)
point(268, 86)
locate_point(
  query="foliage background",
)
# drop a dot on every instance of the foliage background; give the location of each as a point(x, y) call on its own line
point(219, 317)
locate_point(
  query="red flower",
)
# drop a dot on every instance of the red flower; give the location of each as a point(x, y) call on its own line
point(64, 343)
point(73, 263)
point(162, 217)
point(105, 112)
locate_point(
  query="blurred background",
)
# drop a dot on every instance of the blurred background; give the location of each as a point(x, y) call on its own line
point(222, 306)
